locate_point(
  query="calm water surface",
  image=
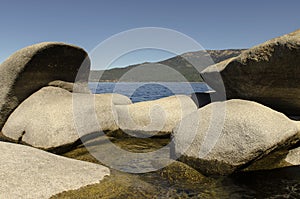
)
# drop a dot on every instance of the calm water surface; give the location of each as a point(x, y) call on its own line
point(140, 91)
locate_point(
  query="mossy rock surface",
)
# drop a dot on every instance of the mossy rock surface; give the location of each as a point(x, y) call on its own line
point(178, 173)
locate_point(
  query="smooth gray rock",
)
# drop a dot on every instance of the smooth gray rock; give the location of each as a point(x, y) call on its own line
point(221, 142)
point(31, 173)
point(46, 119)
point(293, 157)
point(33, 67)
point(157, 117)
point(267, 73)
point(62, 84)
point(79, 87)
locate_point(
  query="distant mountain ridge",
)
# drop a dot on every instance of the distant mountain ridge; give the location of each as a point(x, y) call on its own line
point(178, 63)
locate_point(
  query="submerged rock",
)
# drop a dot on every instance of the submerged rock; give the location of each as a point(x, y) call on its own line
point(46, 119)
point(33, 67)
point(157, 117)
point(178, 172)
point(31, 173)
point(223, 137)
point(267, 73)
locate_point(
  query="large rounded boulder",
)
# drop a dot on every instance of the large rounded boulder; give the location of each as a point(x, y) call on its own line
point(267, 73)
point(154, 118)
point(223, 137)
point(46, 119)
point(27, 172)
point(33, 67)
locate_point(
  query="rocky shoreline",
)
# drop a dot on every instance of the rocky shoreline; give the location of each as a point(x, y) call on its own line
point(52, 127)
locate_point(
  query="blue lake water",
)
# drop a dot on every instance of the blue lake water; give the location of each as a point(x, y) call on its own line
point(141, 91)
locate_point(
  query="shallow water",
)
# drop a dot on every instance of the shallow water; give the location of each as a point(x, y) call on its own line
point(276, 183)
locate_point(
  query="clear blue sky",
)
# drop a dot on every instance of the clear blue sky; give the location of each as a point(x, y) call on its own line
point(215, 24)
